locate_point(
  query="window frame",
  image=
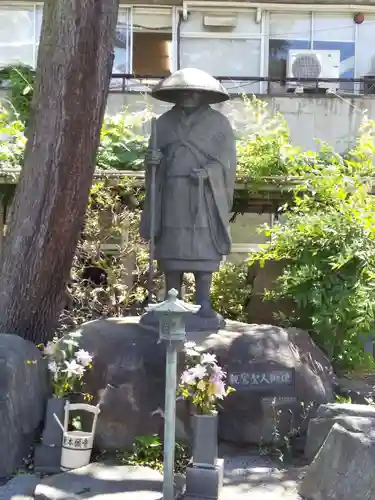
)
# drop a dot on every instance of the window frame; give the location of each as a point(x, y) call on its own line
point(147, 9)
point(34, 7)
point(220, 10)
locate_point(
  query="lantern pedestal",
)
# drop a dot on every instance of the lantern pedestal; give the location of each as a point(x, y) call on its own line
point(203, 483)
point(193, 321)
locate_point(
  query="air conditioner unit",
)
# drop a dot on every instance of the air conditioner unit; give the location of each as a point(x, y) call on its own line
point(313, 64)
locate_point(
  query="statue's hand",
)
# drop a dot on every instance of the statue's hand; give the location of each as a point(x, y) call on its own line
point(153, 158)
point(198, 173)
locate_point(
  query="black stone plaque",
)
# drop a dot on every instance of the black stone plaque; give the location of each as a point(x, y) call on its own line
point(254, 379)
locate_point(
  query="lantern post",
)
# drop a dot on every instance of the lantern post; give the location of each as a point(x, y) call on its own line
point(171, 315)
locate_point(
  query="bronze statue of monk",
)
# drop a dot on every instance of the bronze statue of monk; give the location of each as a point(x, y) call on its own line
point(195, 176)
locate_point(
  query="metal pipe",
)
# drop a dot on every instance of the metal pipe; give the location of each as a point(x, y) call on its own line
point(170, 421)
point(279, 6)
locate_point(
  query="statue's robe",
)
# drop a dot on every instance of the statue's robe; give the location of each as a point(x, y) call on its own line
point(191, 217)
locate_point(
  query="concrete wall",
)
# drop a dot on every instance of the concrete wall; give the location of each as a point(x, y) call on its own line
point(333, 119)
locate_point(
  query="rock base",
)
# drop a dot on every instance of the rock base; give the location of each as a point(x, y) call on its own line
point(274, 371)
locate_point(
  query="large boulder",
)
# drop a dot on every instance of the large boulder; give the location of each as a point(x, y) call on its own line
point(332, 410)
point(23, 392)
point(343, 468)
point(129, 360)
point(270, 367)
point(353, 417)
point(319, 428)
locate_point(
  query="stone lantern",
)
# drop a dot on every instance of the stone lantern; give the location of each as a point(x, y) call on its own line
point(171, 315)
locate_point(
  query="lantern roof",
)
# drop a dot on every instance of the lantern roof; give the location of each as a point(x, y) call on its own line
point(173, 305)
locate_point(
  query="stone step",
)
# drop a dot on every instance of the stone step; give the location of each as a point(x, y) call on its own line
point(19, 488)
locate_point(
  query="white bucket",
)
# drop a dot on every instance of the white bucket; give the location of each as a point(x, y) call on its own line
point(76, 449)
point(77, 445)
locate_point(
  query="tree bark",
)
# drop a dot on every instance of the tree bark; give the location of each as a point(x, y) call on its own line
point(74, 68)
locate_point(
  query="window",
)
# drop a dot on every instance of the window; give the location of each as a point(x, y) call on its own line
point(245, 235)
point(19, 34)
point(365, 50)
point(224, 42)
point(319, 31)
point(229, 48)
point(143, 44)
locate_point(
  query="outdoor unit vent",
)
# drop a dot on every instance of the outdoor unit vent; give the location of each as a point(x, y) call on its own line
point(314, 64)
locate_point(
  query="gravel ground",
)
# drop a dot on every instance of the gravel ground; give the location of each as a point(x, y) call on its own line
point(246, 476)
point(259, 478)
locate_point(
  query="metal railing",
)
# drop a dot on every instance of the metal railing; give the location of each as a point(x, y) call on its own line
point(237, 85)
point(123, 83)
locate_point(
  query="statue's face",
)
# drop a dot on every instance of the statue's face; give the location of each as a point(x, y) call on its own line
point(191, 99)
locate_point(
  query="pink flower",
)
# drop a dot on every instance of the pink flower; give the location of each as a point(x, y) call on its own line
point(218, 374)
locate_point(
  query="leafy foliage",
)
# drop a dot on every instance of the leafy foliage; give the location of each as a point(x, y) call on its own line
point(122, 146)
point(328, 239)
point(148, 452)
point(108, 282)
point(230, 291)
point(21, 80)
point(12, 141)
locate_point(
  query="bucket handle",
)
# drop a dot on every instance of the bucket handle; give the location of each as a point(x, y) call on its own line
point(81, 406)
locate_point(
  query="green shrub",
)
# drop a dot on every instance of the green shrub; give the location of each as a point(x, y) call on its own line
point(21, 79)
point(230, 291)
point(328, 237)
point(122, 146)
point(148, 452)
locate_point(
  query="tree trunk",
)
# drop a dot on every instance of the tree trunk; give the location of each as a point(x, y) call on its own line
point(74, 67)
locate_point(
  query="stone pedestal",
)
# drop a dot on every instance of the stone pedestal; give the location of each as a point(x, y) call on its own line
point(47, 459)
point(204, 483)
point(205, 432)
point(48, 454)
point(52, 435)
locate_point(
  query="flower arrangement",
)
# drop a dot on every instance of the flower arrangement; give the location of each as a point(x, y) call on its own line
point(203, 381)
point(66, 363)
